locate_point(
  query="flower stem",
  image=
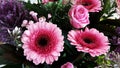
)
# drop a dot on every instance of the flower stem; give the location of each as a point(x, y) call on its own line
point(39, 1)
point(23, 66)
point(46, 66)
point(59, 2)
point(79, 57)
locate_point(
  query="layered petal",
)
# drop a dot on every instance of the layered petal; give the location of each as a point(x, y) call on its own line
point(90, 41)
point(42, 42)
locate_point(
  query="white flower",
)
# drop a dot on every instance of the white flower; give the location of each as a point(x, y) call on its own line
point(31, 1)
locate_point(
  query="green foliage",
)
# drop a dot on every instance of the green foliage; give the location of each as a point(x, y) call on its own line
point(58, 11)
point(60, 17)
point(101, 60)
point(100, 19)
point(8, 54)
point(13, 66)
point(108, 8)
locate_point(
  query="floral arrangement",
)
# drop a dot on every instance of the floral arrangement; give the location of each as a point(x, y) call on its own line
point(59, 34)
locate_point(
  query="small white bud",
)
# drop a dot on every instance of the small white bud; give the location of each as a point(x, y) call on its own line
point(42, 19)
point(24, 23)
point(49, 16)
point(19, 45)
point(16, 31)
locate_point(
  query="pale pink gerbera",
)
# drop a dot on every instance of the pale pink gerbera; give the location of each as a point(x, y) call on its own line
point(42, 42)
point(91, 5)
point(90, 41)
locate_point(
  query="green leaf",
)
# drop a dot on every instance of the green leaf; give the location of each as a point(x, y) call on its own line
point(108, 8)
point(8, 54)
point(13, 66)
point(39, 8)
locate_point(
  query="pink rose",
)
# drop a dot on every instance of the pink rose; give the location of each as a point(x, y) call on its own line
point(91, 5)
point(118, 6)
point(67, 65)
point(79, 16)
point(118, 3)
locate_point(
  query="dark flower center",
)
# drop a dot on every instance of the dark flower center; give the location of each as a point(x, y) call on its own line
point(43, 41)
point(88, 41)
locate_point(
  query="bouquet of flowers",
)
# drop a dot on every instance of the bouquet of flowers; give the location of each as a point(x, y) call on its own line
point(59, 34)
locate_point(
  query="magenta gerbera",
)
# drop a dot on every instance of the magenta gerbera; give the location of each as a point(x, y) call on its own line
point(89, 41)
point(91, 5)
point(42, 42)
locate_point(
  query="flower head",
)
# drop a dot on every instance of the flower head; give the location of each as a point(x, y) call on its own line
point(90, 41)
point(91, 5)
point(115, 40)
point(79, 16)
point(118, 3)
point(5, 37)
point(67, 65)
point(12, 14)
point(42, 42)
point(117, 49)
point(118, 7)
point(115, 57)
point(117, 30)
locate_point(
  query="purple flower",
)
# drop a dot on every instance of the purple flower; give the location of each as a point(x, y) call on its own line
point(115, 40)
point(114, 57)
point(12, 14)
point(117, 30)
point(117, 50)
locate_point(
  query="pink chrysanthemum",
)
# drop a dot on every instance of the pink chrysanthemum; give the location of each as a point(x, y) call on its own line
point(90, 41)
point(91, 5)
point(42, 42)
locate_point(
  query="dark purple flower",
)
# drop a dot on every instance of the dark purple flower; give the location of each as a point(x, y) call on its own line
point(117, 30)
point(114, 57)
point(12, 14)
point(115, 40)
point(117, 49)
point(4, 34)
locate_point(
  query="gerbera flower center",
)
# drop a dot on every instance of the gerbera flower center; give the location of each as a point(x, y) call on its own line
point(89, 41)
point(43, 41)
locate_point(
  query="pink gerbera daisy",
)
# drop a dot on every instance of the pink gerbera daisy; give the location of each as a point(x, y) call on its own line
point(90, 41)
point(67, 65)
point(91, 5)
point(42, 42)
